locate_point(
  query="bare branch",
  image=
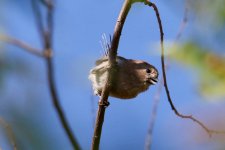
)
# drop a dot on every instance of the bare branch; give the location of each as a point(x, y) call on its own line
point(209, 131)
point(38, 19)
point(9, 132)
point(49, 33)
point(48, 49)
point(46, 37)
point(156, 98)
point(22, 45)
point(111, 75)
point(183, 22)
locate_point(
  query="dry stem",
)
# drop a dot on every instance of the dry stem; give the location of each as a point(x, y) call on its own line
point(156, 98)
point(209, 131)
point(46, 36)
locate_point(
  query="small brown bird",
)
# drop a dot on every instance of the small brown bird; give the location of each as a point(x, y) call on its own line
point(133, 77)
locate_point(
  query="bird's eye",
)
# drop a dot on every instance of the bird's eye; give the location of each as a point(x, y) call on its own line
point(148, 71)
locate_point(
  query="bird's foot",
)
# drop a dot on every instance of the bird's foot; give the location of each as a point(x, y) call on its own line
point(103, 103)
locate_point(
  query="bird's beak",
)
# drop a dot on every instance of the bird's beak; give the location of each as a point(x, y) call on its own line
point(153, 80)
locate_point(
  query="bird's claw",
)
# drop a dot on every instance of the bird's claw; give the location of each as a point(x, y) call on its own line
point(103, 103)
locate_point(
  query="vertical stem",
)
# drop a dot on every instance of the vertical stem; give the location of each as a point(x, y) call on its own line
point(55, 100)
point(156, 99)
point(111, 76)
point(98, 127)
point(48, 49)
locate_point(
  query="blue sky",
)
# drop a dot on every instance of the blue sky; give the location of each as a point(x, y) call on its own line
point(78, 29)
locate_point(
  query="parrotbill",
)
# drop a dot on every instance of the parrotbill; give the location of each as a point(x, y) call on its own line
point(132, 77)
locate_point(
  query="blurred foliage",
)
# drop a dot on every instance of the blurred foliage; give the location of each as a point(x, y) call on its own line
point(9, 65)
point(30, 131)
point(209, 65)
point(209, 20)
point(205, 52)
point(3, 68)
point(19, 98)
point(24, 103)
point(208, 10)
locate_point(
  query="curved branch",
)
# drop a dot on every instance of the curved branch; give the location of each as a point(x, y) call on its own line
point(156, 98)
point(209, 131)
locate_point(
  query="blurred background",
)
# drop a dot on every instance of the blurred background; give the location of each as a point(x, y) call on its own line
point(196, 75)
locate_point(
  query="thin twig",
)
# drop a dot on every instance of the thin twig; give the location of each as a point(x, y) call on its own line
point(38, 19)
point(46, 36)
point(22, 45)
point(183, 22)
point(209, 131)
point(156, 98)
point(48, 48)
point(9, 132)
point(111, 75)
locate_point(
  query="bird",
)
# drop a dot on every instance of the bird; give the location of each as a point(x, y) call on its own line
point(132, 77)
